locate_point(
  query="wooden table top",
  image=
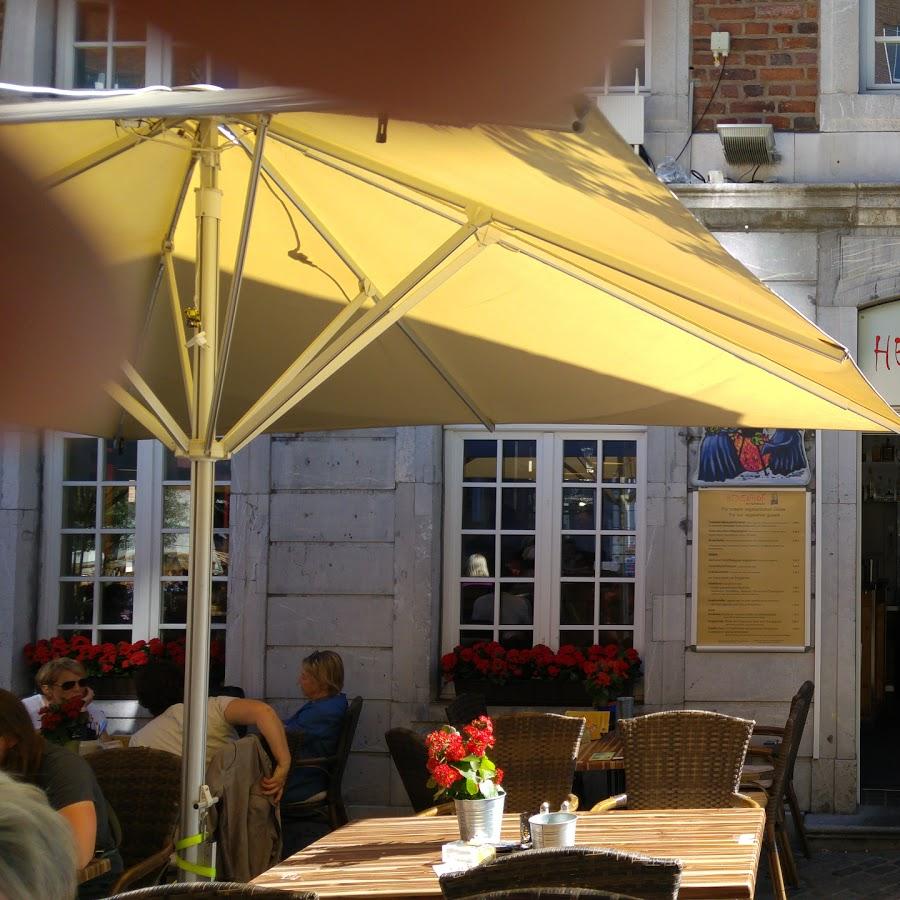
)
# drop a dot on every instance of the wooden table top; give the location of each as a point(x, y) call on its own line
point(611, 742)
point(719, 849)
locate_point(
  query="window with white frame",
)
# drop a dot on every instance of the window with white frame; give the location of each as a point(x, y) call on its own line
point(629, 63)
point(880, 44)
point(116, 520)
point(103, 44)
point(543, 537)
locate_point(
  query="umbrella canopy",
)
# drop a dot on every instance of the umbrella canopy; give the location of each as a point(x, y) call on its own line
point(298, 270)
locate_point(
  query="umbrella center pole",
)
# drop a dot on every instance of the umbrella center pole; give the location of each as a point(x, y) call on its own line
point(196, 684)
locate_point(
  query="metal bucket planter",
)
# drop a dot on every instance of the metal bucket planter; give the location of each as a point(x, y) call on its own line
point(480, 819)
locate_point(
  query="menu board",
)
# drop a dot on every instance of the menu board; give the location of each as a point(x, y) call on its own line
point(751, 569)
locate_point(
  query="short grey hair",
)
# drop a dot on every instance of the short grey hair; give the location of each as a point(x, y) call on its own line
point(37, 847)
point(48, 672)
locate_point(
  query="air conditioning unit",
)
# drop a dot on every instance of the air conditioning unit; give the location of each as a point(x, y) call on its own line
point(625, 112)
point(748, 145)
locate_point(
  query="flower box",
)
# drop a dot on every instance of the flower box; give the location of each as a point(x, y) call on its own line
point(532, 692)
point(114, 687)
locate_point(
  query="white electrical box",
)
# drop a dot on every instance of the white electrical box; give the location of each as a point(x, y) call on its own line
point(720, 43)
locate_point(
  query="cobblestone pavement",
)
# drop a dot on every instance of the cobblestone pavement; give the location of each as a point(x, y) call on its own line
point(842, 874)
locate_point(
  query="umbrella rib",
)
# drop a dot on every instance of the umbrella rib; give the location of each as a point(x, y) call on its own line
point(237, 279)
point(184, 361)
point(299, 381)
point(157, 407)
point(141, 414)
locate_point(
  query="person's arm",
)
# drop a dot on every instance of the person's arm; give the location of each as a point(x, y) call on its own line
point(82, 819)
point(265, 719)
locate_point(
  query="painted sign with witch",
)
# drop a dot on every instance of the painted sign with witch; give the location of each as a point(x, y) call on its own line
point(751, 456)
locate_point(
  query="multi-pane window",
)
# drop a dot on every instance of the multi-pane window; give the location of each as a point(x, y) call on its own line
point(543, 537)
point(880, 50)
point(629, 63)
point(116, 560)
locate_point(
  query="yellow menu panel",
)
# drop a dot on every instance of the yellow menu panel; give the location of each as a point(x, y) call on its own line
point(752, 568)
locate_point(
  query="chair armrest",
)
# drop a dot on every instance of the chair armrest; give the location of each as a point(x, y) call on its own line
point(768, 753)
point(739, 800)
point(573, 802)
point(144, 867)
point(442, 809)
point(619, 802)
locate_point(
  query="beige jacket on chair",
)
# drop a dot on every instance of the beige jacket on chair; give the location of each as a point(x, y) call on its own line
point(245, 822)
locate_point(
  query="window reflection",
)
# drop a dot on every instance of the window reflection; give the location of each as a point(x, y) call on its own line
point(78, 554)
point(579, 460)
point(480, 460)
point(578, 506)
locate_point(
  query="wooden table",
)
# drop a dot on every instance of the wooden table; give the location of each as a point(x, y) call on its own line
point(611, 742)
point(94, 868)
point(719, 849)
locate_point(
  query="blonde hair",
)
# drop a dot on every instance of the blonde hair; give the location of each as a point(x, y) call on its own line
point(326, 667)
point(49, 671)
point(37, 847)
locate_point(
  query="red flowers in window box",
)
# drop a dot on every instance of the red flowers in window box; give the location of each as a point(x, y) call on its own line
point(458, 763)
point(605, 671)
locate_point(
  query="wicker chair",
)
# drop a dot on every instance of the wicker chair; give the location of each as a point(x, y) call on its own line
point(569, 868)
point(682, 759)
point(778, 790)
point(409, 753)
point(143, 787)
point(214, 889)
point(330, 803)
point(464, 708)
point(537, 752)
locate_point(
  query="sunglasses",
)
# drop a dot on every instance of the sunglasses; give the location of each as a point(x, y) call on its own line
point(68, 685)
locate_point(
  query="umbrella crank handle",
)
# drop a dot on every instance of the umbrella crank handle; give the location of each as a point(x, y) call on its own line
point(206, 801)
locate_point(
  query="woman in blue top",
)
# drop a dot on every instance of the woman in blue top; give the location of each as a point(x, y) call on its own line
point(319, 721)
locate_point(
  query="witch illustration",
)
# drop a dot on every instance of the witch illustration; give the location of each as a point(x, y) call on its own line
point(786, 452)
point(719, 459)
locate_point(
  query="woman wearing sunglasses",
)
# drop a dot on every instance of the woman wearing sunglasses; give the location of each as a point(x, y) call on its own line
point(58, 681)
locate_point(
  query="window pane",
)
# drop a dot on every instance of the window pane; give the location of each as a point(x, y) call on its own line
point(479, 508)
point(90, 71)
point(76, 602)
point(222, 507)
point(519, 461)
point(517, 555)
point(118, 506)
point(78, 555)
point(175, 553)
point(80, 459)
point(219, 601)
point(578, 553)
point(623, 62)
point(467, 637)
point(129, 25)
point(174, 602)
point(477, 606)
point(518, 640)
point(477, 555)
point(577, 638)
point(79, 508)
point(117, 602)
point(576, 603)
point(579, 460)
point(178, 468)
point(91, 21)
point(578, 509)
point(220, 554)
point(618, 509)
point(518, 509)
point(114, 635)
point(120, 463)
point(617, 604)
point(480, 461)
point(118, 554)
point(128, 65)
point(617, 555)
point(620, 461)
point(176, 506)
point(517, 604)
point(188, 65)
point(621, 637)
point(223, 470)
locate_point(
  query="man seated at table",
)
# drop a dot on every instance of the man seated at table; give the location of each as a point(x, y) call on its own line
point(160, 689)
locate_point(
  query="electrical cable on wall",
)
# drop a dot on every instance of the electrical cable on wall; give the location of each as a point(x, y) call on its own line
point(696, 124)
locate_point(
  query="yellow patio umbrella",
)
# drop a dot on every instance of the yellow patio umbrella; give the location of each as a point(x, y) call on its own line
point(445, 275)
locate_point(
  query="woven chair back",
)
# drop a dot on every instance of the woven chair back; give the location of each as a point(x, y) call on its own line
point(684, 759)
point(570, 868)
point(786, 754)
point(410, 755)
point(143, 786)
point(537, 752)
point(465, 707)
point(214, 889)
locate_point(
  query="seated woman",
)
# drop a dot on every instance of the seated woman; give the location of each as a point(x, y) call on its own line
point(69, 784)
point(160, 689)
point(319, 721)
point(59, 680)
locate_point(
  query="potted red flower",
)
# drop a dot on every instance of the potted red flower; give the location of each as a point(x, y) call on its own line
point(65, 722)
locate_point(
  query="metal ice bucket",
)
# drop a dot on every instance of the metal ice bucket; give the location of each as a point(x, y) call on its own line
point(553, 829)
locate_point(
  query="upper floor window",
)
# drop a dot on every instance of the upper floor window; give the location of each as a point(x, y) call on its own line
point(880, 50)
point(629, 63)
point(102, 45)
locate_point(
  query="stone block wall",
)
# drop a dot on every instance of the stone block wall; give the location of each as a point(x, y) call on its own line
point(772, 72)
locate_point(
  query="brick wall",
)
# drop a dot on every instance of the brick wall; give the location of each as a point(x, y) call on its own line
point(772, 72)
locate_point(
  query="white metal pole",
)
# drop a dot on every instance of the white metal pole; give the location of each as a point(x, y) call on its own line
point(202, 481)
